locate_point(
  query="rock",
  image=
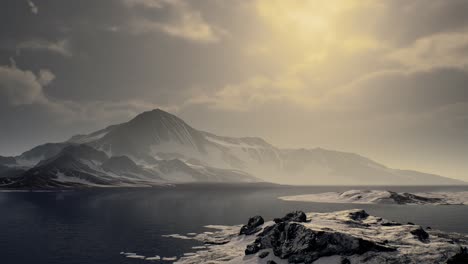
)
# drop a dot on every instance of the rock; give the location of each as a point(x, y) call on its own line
point(389, 223)
point(271, 262)
point(410, 223)
point(409, 198)
point(296, 216)
point(252, 248)
point(252, 226)
point(345, 261)
point(420, 234)
point(299, 244)
point(358, 215)
point(460, 258)
point(264, 254)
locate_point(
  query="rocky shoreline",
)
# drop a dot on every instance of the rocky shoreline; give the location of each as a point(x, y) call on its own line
point(344, 237)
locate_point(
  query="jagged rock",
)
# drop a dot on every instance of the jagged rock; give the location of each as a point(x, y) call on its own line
point(296, 216)
point(460, 258)
point(271, 262)
point(264, 254)
point(299, 244)
point(252, 226)
point(410, 223)
point(345, 261)
point(390, 223)
point(252, 248)
point(420, 234)
point(358, 215)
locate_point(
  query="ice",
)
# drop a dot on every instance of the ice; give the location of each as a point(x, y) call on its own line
point(153, 258)
point(135, 256)
point(169, 258)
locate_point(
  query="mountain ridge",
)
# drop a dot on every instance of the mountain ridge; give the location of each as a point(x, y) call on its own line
point(156, 140)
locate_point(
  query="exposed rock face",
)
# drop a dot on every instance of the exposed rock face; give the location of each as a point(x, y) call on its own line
point(299, 244)
point(296, 216)
point(358, 215)
point(252, 226)
point(420, 234)
point(460, 258)
point(408, 198)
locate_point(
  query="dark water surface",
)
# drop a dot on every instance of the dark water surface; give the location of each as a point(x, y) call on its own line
point(93, 226)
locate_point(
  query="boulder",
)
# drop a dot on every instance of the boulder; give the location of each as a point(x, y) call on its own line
point(459, 258)
point(358, 215)
point(420, 234)
point(252, 226)
point(296, 216)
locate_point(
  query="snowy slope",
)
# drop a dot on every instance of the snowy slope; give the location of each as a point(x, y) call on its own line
point(158, 135)
point(84, 166)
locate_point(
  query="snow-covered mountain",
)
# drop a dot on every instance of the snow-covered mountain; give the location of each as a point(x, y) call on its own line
point(162, 145)
point(80, 165)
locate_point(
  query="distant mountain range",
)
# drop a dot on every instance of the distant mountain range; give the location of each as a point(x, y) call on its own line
point(157, 148)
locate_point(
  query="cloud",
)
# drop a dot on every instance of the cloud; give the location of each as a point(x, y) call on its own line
point(61, 47)
point(45, 77)
point(20, 87)
point(23, 87)
point(438, 50)
point(400, 92)
point(184, 21)
point(255, 91)
point(33, 7)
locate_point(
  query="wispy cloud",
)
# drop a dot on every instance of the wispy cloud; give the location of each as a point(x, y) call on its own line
point(33, 7)
point(61, 47)
point(438, 50)
point(20, 87)
point(185, 22)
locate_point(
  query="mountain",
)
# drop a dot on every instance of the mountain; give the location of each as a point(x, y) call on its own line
point(159, 135)
point(157, 147)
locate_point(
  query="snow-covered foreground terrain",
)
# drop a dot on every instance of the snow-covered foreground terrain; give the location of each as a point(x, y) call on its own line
point(350, 236)
point(383, 197)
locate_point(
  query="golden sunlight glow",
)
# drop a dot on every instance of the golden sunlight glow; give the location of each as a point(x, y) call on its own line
point(313, 29)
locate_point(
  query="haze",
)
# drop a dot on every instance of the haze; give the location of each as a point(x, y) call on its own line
point(385, 79)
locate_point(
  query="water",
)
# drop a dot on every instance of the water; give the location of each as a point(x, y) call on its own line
point(94, 226)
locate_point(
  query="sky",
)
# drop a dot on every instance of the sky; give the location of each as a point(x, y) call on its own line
point(385, 79)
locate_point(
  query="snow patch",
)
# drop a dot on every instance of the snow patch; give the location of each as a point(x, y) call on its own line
point(383, 197)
